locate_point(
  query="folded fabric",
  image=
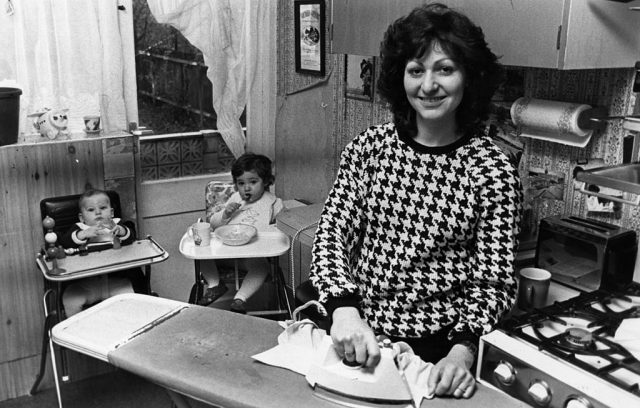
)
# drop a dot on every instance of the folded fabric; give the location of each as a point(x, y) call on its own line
point(303, 345)
point(628, 334)
point(415, 371)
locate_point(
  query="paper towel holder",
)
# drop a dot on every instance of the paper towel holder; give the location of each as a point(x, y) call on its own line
point(596, 118)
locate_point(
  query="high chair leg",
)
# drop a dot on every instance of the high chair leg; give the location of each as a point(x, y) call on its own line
point(55, 372)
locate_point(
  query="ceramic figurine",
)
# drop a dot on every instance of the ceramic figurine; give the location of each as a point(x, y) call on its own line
point(51, 123)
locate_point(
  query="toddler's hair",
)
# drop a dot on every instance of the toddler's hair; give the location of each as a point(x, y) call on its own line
point(90, 193)
point(253, 162)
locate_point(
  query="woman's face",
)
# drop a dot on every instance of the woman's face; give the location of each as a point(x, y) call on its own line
point(434, 85)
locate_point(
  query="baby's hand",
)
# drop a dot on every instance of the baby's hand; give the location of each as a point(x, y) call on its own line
point(108, 224)
point(230, 209)
point(90, 232)
point(118, 231)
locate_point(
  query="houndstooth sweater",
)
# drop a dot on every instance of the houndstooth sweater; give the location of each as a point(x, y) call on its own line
point(420, 238)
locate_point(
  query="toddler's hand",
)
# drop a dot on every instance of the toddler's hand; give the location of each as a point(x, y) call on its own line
point(230, 209)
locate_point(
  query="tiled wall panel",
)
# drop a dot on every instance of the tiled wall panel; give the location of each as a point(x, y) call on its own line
point(183, 156)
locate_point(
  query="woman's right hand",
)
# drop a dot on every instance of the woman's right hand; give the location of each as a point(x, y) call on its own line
point(353, 338)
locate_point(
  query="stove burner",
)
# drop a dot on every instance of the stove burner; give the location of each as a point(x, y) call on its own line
point(579, 337)
point(581, 332)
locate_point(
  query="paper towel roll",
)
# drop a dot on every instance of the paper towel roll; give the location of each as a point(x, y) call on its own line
point(550, 120)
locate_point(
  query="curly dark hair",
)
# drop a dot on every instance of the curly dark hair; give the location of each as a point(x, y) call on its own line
point(253, 162)
point(412, 36)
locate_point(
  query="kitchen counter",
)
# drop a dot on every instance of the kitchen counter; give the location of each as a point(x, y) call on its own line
point(205, 354)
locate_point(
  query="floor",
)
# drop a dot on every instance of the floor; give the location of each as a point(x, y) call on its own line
point(118, 389)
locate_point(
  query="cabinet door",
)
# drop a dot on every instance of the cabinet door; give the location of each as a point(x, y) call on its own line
point(359, 25)
point(569, 34)
point(600, 34)
point(522, 32)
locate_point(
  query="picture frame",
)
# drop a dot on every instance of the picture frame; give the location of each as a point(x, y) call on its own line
point(310, 38)
point(360, 74)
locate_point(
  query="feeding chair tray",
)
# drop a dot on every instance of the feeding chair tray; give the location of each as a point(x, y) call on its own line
point(139, 253)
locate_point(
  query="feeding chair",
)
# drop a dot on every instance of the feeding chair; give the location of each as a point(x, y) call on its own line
point(217, 194)
point(64, 210)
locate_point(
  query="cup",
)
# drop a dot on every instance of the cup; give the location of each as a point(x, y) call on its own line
point(533, 288)
point(201, 233)
point(91, 123)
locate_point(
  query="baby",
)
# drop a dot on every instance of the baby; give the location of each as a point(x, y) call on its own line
point(96, 225)
point(251, 204)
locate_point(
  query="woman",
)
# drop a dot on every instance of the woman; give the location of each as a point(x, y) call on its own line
point(418, 236)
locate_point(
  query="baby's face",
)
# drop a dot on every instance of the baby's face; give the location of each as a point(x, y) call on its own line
point(95, 210)
point(250, 186)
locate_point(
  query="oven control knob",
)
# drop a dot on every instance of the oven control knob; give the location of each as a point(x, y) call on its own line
point(578, 402)
point(540, 393)
point(505, 373)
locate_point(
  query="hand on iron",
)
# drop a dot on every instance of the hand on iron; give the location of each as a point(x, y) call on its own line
point(451, 375)
point(353, 339)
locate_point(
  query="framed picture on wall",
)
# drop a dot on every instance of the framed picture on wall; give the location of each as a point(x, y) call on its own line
point(310, 36)
point(359, 72)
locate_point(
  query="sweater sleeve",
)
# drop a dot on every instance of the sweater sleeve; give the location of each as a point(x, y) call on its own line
point(491, 288)
point(128, 237)
point(69, 239)
point(338, 232)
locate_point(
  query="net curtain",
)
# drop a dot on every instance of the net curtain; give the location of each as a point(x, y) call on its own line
point(68, 54)
point(224, 31)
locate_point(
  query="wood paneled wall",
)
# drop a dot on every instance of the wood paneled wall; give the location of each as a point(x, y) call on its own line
point(29, 173)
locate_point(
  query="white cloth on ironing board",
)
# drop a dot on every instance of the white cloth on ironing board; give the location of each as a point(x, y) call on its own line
point(303, 344)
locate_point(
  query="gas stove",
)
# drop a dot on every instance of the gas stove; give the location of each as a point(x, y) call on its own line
point(566, 354)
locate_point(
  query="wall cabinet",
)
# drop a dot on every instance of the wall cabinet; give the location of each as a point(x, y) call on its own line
point(569, 34)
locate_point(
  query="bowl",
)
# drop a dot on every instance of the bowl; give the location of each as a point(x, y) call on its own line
point(235, 234)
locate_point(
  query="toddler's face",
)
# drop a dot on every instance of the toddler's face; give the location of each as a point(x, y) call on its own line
point(96, 209)
point(250, 186)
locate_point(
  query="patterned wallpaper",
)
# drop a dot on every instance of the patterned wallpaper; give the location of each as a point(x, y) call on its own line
point(609, 88)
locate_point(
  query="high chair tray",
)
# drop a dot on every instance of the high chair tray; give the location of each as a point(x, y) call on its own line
point(267, 243)
point(139, 253)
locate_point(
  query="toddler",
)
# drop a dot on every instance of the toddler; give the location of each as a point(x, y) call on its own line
point(252, 204)
point(96, 225)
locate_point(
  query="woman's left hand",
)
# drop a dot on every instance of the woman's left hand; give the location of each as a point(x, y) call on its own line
point(451, 375)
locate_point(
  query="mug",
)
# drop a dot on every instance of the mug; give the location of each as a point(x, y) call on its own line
point(91, 123)
point(201, 233)
point(533, 288)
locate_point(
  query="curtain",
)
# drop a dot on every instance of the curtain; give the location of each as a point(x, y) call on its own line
point(223, 30)
point(69, 54)
point(261, 107)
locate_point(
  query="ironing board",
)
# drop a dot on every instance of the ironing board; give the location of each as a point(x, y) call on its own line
point(192, 351)
point(268, 243)
point(204, 354)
